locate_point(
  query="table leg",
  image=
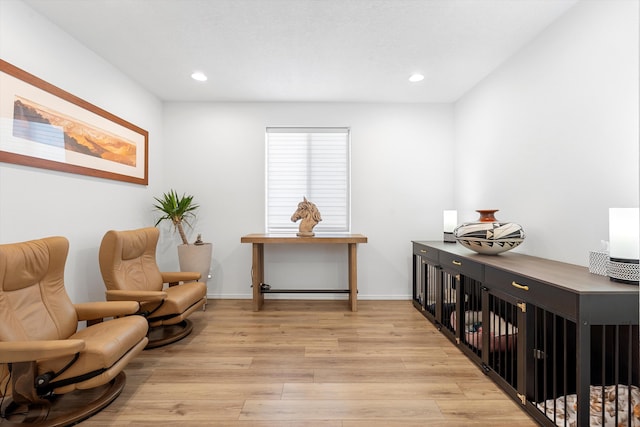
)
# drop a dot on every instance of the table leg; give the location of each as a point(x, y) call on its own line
point(257, 273)
point(353, 277)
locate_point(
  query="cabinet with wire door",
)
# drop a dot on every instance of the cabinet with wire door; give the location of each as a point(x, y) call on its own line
point(461, 299)
point(559, 340)
point(578, 337)
point(426, 280)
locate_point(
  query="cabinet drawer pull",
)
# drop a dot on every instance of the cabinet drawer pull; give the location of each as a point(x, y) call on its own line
point(422, 251)
point(456, 262)
point(519, 286)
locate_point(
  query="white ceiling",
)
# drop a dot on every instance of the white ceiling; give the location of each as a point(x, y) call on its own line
point(304, 50)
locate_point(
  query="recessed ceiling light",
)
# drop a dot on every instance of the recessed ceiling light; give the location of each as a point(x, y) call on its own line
point(416, 78)
point(199, 76)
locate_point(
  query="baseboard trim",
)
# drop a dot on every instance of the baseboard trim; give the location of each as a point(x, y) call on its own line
point(313, 297)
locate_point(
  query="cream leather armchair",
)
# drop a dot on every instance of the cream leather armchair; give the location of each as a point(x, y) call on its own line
point(51, 373)
point(129, 270)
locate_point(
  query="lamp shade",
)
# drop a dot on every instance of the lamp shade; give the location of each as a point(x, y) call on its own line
point(450, 218)
point(624, 233)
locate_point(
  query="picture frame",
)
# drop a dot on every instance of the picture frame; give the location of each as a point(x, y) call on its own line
point(46, 127)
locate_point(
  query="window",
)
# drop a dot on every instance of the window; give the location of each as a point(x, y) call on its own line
point(312, 163)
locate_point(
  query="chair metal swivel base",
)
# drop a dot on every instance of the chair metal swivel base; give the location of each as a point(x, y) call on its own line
point(167, 334)
point(62, 410)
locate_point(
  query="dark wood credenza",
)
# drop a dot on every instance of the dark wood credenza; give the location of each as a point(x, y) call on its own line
point(543, 330)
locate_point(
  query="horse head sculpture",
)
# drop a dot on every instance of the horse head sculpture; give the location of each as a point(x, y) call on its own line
point(310, 216)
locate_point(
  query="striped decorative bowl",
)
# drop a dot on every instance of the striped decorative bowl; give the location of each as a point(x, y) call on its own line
point(489, 236)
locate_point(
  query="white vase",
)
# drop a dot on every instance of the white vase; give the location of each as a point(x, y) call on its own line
point(489, 236)
point(196, 258)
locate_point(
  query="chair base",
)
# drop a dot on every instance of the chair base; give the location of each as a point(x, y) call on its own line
point(163, 335)
point(65, 409)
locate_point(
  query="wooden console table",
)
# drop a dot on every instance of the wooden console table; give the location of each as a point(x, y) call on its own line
point(259, 240)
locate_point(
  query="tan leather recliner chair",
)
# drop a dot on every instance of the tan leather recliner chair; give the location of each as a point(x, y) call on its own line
point(50, 372)
point(129, 270)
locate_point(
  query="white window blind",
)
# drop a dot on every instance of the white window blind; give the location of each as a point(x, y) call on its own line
point(312, 163)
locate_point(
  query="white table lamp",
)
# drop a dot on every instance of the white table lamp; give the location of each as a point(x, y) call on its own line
point(624, 245)
point(450, 218)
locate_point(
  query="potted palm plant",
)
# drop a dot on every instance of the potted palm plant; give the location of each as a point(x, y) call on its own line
point(179, 210)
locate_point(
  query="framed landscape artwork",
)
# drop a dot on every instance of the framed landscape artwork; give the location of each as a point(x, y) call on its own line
point(43, 126)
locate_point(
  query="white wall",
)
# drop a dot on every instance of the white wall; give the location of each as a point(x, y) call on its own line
point(557, 127)
point(551, 137)
point(35, 202)
point(401, 182)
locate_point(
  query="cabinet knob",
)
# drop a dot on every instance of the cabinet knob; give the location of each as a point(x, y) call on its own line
point(519, 286)
point(454, 262)
point(422, 251)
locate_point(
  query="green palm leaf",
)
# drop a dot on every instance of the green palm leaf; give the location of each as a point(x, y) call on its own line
point(177, 209)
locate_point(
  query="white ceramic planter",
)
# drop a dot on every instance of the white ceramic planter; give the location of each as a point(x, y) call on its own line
point(196, 258)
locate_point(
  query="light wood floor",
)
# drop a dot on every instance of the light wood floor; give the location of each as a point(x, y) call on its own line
point(309, 363)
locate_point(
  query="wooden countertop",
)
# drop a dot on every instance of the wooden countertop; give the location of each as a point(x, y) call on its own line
point(560, 274)
point(319, 238)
